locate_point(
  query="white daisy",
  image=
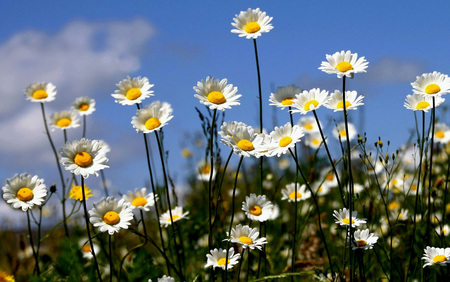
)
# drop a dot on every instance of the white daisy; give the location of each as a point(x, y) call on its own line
point(336, 101)
point(177, 214)
point(402, 215)
point(309, 100)
point(340, 133)
point(284, 138)
point(432, 84)
point(309, 124)
point(344, 64)
point(289, 193)
point(251, 23)
point(445, 230)
point(313, 140)
point(86, 248)
point(434, 255)
point(343, 218)
point(327, 174)
point(418, 102)
point(322, 189)
point(441, 133)
point(217, 94)
point(111, 215)
point(132, 91)
point(247, 237)
point(83, 157)
point(358, 188)
point(242, 139)
point(284, 97)
point(24, 191)
point(164, 279)
point(84, 106)
point(40, 92)
point(257, 208)
point(152, 117)
point(140, 199)
point(217, 258)
point(204, 171)
point(363, 239)
point(64, 120)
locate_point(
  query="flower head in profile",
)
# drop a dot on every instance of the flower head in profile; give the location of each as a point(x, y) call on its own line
point(218, 258)
point(284, 97)
point(342, 218)
point(242, 139)
point(344, 64)
point(84, 106)
point(111, 215)
point(313, 140)
point(83, 157)
point(251, 23)
point(289, 193)
point(257, 208)
point(204, 171)
point(432, 84)
point(340, 133)
point(217, 94)
point(76, 193)
point(284, 138)
point(418, 102)
point(434, 255)
point(363, 239)
point(64, 120)
point(86, 248)
point(441, 133)
point(336, 101)
point(40, 92)
point(177, 214)
point(309, 124)
point(140, 199)
point(309, 100)
point(152, 117)
point(24, 191)
point(247, 237)
point(132, 91)
point(443, 230)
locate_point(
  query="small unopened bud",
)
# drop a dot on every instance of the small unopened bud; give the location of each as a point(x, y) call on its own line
point(53, 188)
point(380, 143)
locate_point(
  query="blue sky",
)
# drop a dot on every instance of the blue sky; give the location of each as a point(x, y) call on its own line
point(86, 47)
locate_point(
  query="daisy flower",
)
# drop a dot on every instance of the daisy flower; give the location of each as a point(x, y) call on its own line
point(84, 106)
point(132, 91)
point(217, 94)
point(424, 103)
point(111, 215)
point(24, 191)
point(140, 199)
point(64, 120)
point(340, 133)
point(76, 193)
point(257, 208)
point(83, 157)
point(363, 239)
point(402, 215)
point(204, 171)
point(432, 84)
point(40, 92)
point(313, 140)
point(152, 117)
point(86, 248)
point(289, 193)
point(247, 237)
point(336, 101)
point(445, 230)
point(177, 214)
point(308, 124)
point(251, 23)
point(243, 140)
point(284, 97)
point(164, 279)
point(329, 177)
point(434, 255)
point(322, 189)
point(441, 133)
point(344, 64)
point(217, 258)
point(309, 100)
point(343, 218)
point(284, 138)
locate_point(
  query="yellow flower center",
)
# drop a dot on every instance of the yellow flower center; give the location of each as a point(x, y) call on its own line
point(83, 159)
point(222, 261)
point(292, 195)
point(393, 206)
point(245, 145)
point(76, 193)
point(440, 134)
point(86, 249)
point(414, 187)
point(25, 194)
point(255, 210)
point(139, 202)
point(432, 88)
point(316, 142)
point(252, 27)
point(174, 217)
point(286, 140)
point(206, 169)
point(64, 122)
point(83, 107)
point(311, 105)
point(347, 221)
point(152, 123)
point(308, 126)
point(422, 105)
point(361, 243)
point(344, 66)
point(340, 105)
point(40, 94)
point(246, 240)
point(287, 101)
point(216, 97)
point(439, 258)
point(343, 133)
point(320, 189)
point(133, 93)
point(111, 218)
point(330, 177)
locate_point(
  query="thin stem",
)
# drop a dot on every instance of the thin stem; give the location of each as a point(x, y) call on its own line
point(240, 263)
point(84, 126)
point(295, 204)
point(35, 254)
point(261, 160)
point(65, 136)
point(220, 187)
point(430, 177)
point(211, 167)
point(111, 267)
point(105, 185)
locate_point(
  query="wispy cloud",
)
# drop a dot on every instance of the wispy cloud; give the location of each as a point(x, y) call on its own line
point(391, 70)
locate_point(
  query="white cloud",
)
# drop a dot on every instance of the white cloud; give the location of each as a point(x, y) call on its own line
point(390, 70)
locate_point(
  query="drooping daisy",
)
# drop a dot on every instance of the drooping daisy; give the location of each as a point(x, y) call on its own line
point(84, 106)
point(363, 239)
point(83, 157)
point(340, 133)
point(111, 215)
point(309, 124)
point(257, 207)
point(284, 97)
point(24, 191)
point(64, 120)
point(177, 214)
point(441, 133)
point(336, 101)
point(289, 193)
point(313, 140)
point(218, 258)
point(76, 193)
point(140, 199)
point(217, 94)
point(40, 92)
point(344, 64)
point(251, 23)
point(132, 91)
point(243, 140)
point(152, 117)
point(434, 255)
point(309, 100)
point(204, 171)
point(284, 138)
point(247, 237)
point(424, 103)
point(432, 84)
point(343, 218)
point(86, 248)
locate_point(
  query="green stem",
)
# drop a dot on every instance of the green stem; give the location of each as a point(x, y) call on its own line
point(261, 160)
point(35, 254)
point(111, 267)
point(211, 156)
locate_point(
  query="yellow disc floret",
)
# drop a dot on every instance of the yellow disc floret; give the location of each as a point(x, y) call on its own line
point(246, 240)
point(222, 261)
point(83, 107)
point(440, 134)
point(308, 126)
point(111, 218)
point(133, 93)
point(422, 105)
point(245, 145)
point(292, 195)
point(343, 133)
point(255, 210)
point(286, 140)
point(340, 105)
point(216, 97)
point(432, 88)
point(25, 194)
point(173, 218)
point(252, 27)
point(139, 202)
point(152, 123)
point(311, 105)
point(439, 258)
point(64, 122)
point(287, 101)
point(344, 66)
point(83, 159)
point(347, 221)
point(361, 243)
point(40, 94)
